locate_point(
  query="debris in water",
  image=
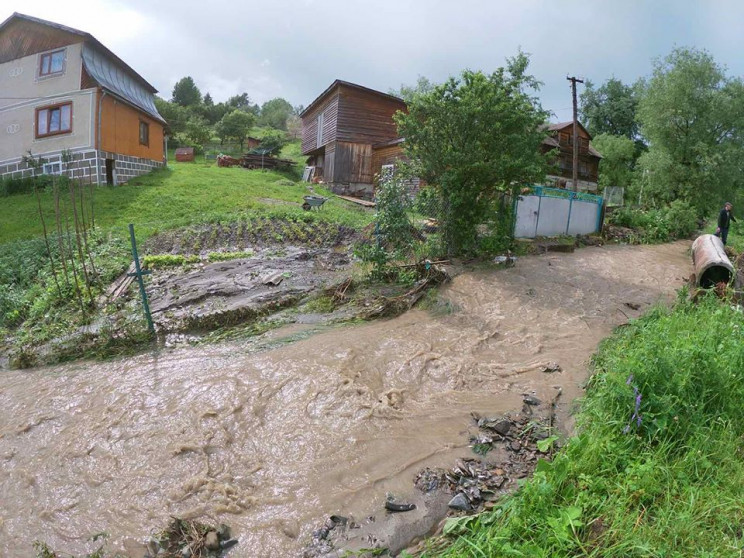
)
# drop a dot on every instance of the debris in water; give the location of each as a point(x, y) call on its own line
point(551, 367)
point(190, 539)
point(395, 507)
point(531, 400)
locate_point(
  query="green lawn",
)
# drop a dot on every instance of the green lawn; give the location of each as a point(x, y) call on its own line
point(183, 194)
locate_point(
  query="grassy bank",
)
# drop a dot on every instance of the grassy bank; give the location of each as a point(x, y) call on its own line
point(658, 466)
point(183, 195)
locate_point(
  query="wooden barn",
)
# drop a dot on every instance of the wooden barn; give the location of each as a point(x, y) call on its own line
point(560, 140)
point(348, 134)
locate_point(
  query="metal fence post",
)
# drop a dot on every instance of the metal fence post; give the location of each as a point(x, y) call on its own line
point(138, 273)
point(570, 207)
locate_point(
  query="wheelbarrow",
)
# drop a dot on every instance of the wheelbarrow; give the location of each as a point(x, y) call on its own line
point(313, 201)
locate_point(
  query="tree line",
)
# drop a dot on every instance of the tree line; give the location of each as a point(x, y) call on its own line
point(194, 119)
point(674, 135)
point(674, 140)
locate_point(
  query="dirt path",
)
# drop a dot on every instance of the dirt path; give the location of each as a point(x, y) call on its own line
point(273, 442)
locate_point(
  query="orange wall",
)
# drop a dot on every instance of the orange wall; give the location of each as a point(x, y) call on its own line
point(120, 131)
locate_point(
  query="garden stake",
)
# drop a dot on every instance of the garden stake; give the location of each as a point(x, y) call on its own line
point(138, 274)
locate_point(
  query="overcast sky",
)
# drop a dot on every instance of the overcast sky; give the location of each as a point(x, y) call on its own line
point(295, 49)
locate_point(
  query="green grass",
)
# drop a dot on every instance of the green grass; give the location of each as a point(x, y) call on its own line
point(183, 194)
point(670, 485)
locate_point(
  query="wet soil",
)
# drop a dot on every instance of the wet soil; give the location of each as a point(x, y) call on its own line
point(274, 442)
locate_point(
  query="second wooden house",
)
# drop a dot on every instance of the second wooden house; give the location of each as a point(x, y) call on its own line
point(348, 134)
point(560, 144)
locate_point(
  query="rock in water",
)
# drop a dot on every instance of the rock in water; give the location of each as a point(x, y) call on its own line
point(460, 502)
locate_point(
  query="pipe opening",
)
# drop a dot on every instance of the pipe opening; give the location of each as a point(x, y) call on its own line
point(713, 275)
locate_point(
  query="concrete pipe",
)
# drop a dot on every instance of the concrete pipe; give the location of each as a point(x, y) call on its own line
point(710, 262)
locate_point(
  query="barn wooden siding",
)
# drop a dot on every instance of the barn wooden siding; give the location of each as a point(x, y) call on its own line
point(329, 109)
point(387, 155)
point(366, 118)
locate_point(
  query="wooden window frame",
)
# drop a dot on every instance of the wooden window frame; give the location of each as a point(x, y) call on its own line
point(147, 133)
point(50, 108)
point(40, 72)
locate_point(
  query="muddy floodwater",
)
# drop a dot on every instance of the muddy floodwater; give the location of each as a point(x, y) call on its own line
point(272, 442)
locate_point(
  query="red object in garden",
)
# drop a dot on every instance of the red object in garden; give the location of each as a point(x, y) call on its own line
point(185, 154)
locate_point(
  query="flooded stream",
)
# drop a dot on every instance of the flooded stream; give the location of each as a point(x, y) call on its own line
point(272, 442)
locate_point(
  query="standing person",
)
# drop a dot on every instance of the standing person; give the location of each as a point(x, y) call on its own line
point(724, 220)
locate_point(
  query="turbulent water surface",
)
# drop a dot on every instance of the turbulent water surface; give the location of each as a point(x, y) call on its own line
point(272, 442)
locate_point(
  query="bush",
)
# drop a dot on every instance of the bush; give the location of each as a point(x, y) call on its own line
point(12, 186)
point(677, 220)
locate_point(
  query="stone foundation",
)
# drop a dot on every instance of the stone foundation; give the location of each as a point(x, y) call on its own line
point(85, 163)
point(127, 167)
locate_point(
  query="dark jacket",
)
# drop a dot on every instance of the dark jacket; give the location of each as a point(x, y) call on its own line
point(725, 218)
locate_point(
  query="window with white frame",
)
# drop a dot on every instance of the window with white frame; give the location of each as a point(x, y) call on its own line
point(52, 168)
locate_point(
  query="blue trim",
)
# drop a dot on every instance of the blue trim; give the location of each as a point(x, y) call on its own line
point(544, 191)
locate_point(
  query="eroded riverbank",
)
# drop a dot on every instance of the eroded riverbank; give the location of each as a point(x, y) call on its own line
point(273, 442)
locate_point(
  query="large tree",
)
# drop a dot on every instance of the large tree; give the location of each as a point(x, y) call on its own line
point(693, 117)
point(610, 109)
point(408, 92)
point(474, 139)
point(186, 93)
point(618, 158)
point(274, 113)
point(175, 115)
point(235, 125)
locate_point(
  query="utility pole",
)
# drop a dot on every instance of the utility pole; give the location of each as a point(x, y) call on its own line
point(574, 80)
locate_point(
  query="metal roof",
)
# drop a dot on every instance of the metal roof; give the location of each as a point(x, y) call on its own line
point(111, 77)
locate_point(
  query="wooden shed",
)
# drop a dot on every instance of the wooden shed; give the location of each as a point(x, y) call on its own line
point(185, 154)
point(340, 130)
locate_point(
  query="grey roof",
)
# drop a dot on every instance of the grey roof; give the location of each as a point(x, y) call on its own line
point(114, 79)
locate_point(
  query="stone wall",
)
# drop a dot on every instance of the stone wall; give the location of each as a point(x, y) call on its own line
point(127, 167)
point(84, 164)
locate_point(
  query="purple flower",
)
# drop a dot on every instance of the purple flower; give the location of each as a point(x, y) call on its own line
point(636, 416)
point(630, 379)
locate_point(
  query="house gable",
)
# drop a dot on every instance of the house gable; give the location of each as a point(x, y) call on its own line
point(64, 91)
point(21, 36)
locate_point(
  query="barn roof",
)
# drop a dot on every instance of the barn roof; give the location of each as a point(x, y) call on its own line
point(340, 82)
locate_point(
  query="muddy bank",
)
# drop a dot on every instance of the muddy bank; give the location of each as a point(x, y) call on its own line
point(233, 273)
point(274, 442)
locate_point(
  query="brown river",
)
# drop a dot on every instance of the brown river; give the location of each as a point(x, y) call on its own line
point(272, 442)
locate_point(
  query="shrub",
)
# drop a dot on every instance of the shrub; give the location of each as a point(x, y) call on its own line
point(677, 220)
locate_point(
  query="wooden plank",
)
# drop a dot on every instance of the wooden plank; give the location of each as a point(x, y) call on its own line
point(358, 201)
